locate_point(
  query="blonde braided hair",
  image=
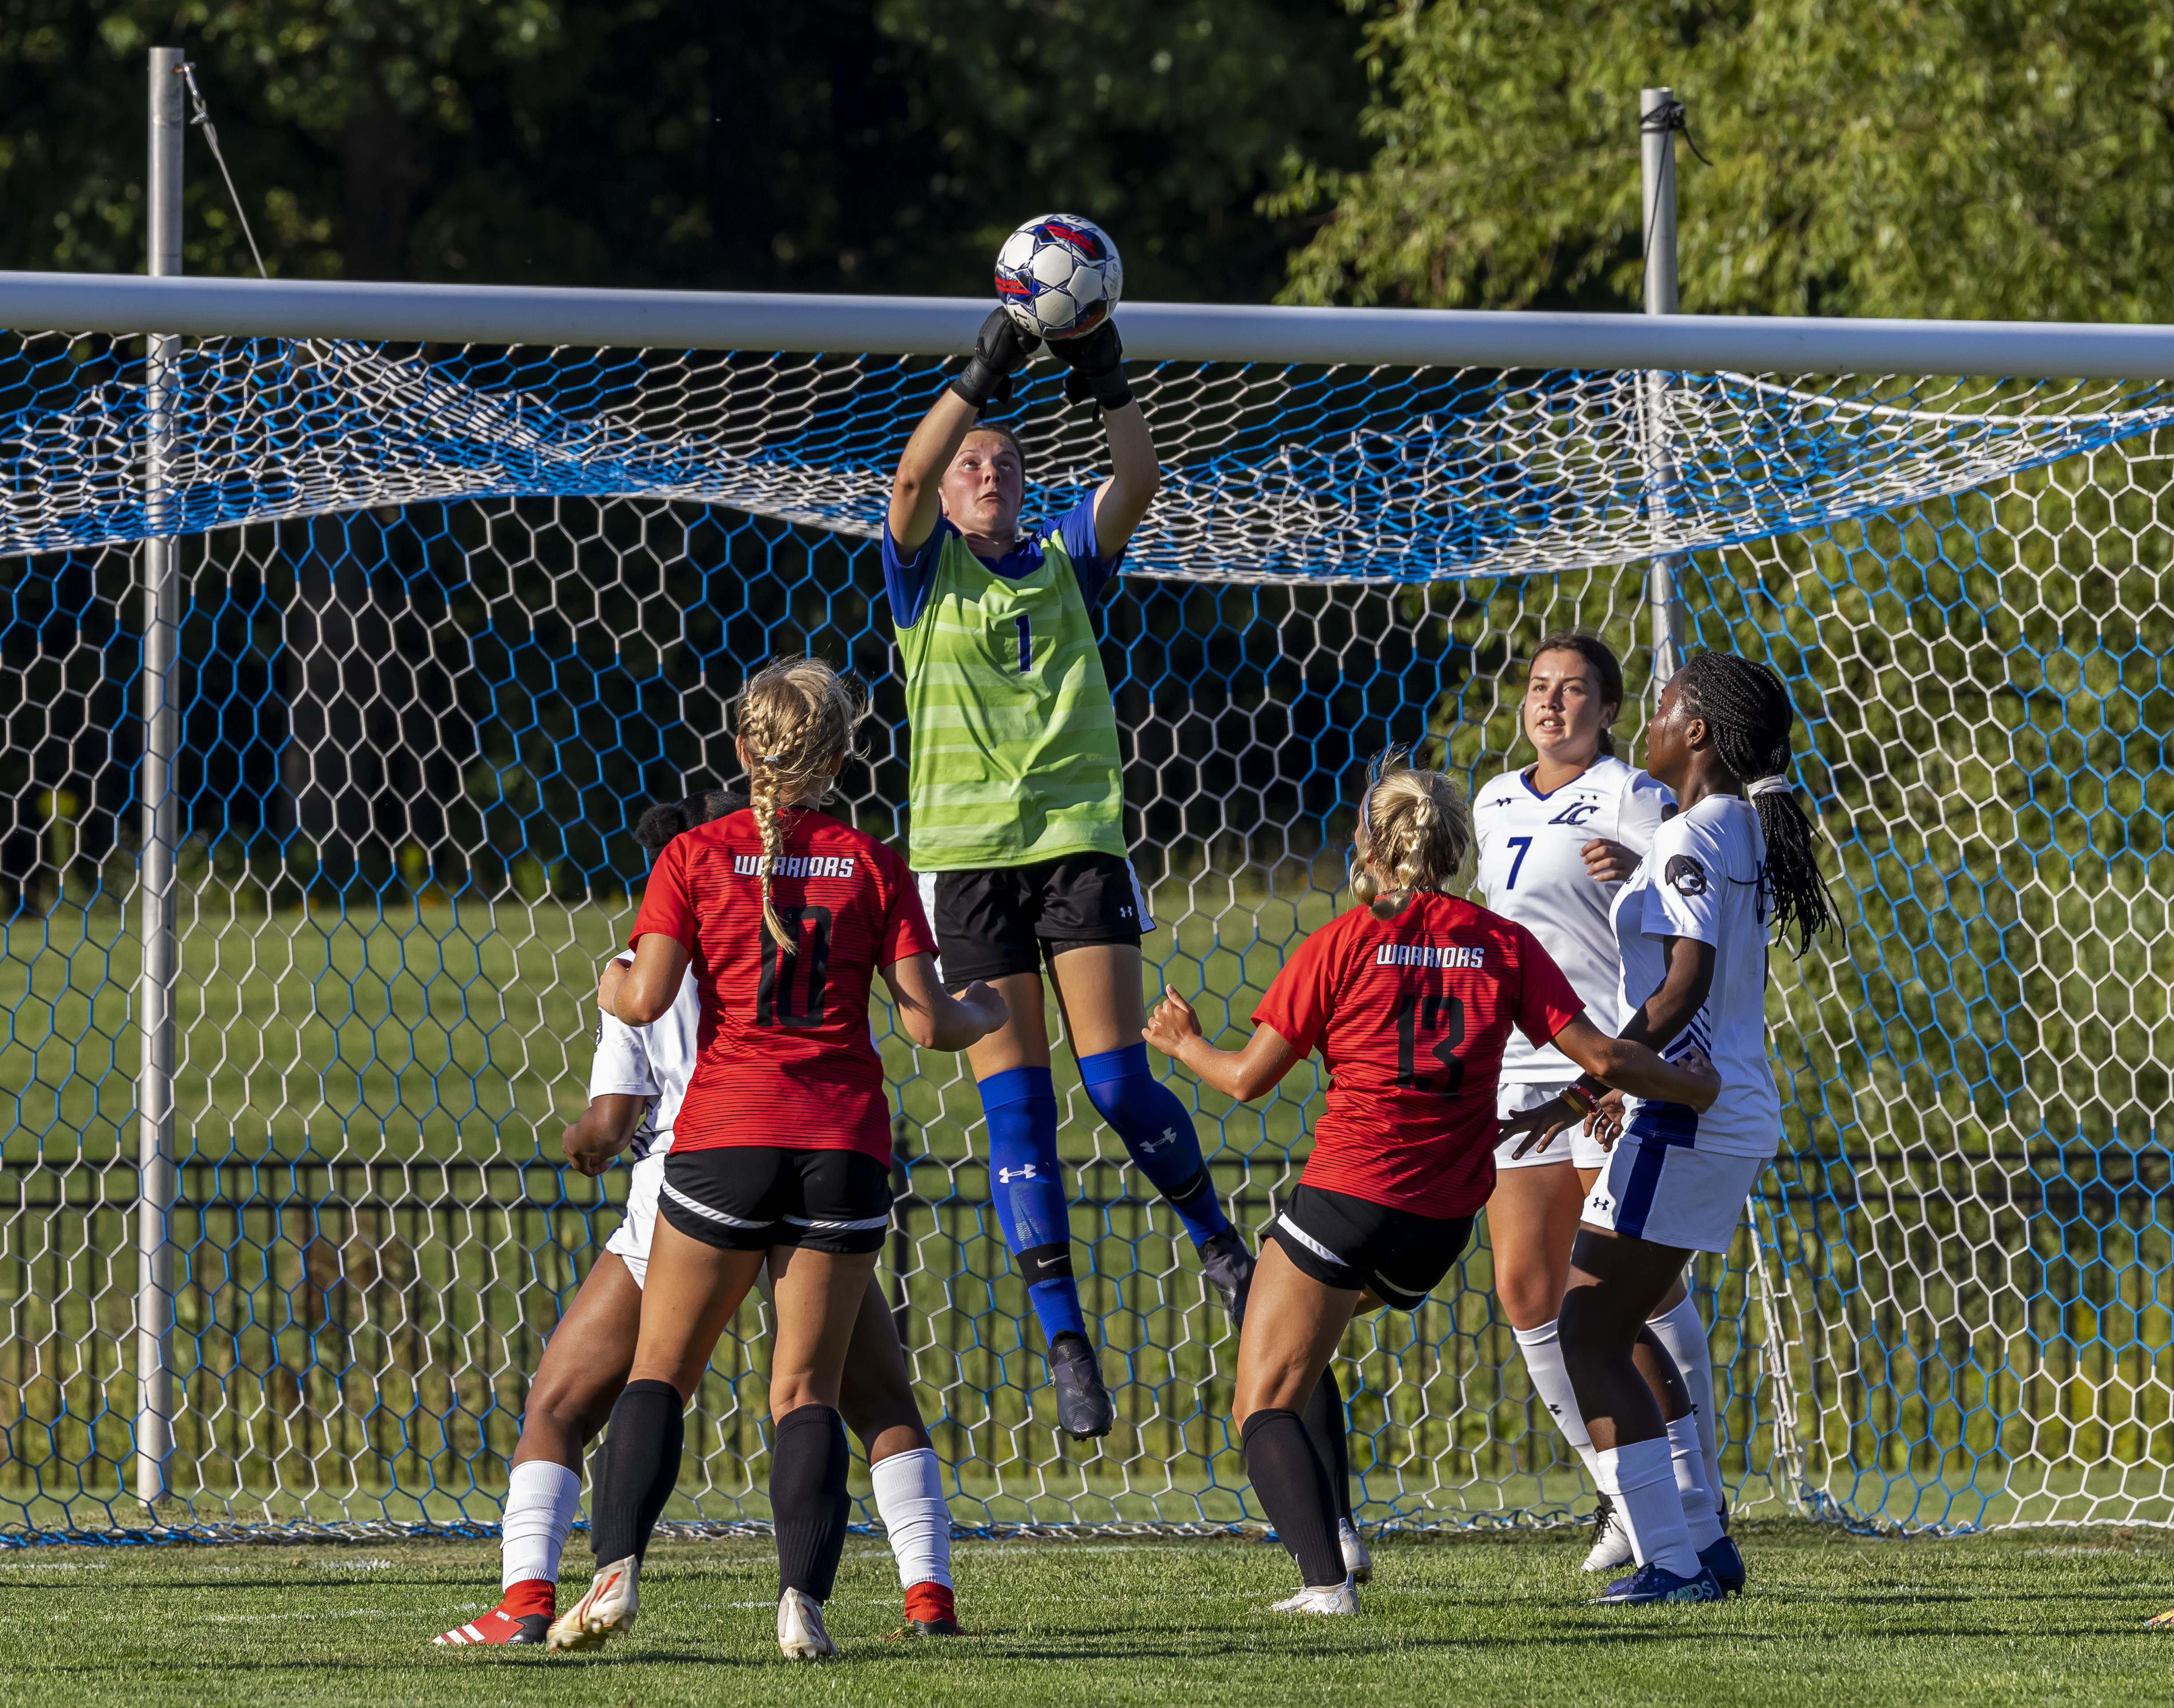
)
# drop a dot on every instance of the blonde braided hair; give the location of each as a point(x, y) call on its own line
point(796, 719)
point(1415, 827)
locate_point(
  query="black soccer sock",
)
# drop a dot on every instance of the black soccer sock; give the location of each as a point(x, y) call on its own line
point(1293, 1485)
point(807, 1499)
point(1325, 1427)
point(640, 1465)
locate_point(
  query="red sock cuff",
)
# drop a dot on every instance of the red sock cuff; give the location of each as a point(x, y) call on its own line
point(532, 1595)
point(929, 1600)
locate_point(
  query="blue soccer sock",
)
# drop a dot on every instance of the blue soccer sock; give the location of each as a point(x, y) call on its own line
point(1020, 1104)
point(1157, 1131)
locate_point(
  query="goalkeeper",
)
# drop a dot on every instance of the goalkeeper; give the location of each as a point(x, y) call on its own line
point(1018, 813)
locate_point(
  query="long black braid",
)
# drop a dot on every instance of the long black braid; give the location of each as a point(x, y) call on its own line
point(1747, 708)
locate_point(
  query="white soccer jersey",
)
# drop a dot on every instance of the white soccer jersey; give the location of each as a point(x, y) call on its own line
point(653, 1061)
point(1531, 871)
point(1706, 878)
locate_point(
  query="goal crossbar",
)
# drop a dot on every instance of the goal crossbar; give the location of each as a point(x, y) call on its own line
point(1153, 331)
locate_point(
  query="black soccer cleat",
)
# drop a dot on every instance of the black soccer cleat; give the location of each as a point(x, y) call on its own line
point(1726, 1565)
point(1653, 1583)
point(1084, 1410)
point(1228, 1267)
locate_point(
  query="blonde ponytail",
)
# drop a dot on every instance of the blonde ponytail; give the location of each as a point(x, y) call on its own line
point(797, 718)
point(1415, 829)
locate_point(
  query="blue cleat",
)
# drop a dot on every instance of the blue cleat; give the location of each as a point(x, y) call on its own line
point(1652, 1583)
point(1726, 1565)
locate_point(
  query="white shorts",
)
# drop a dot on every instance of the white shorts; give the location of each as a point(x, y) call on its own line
point(1659, 1186)
point(1576, 1146)
point(630, 1239)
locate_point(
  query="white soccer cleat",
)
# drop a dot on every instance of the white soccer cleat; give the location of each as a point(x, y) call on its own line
point(1356, 1560)
point(800, 1633)
point(1611, 1541)
point(1321, 1598)
point(606, 1608)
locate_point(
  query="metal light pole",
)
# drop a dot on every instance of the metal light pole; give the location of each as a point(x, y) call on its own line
point(1659, 118)
point(154, 986)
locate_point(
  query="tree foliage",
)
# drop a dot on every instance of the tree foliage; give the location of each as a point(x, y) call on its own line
point(841, 144)
point(1982, 158)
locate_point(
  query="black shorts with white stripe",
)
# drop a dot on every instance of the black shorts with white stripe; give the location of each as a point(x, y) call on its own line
point(749, 1197)
point(1353, 1244)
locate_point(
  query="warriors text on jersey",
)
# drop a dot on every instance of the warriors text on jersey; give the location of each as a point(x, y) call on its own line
point(1411, 1015)
point(1531, 870)
point(784, 1057)
point(1705, 877)
point(1014, 757)
point(652, 1062)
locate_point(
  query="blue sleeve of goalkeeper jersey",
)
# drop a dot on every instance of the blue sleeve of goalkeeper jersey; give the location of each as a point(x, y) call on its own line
point(908, 576)
point(1094, 572)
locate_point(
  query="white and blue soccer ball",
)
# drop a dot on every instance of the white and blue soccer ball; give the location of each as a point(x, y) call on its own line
point(1058, 276)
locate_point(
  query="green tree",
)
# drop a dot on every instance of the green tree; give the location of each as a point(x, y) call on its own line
point(879, 145)
point(1967, 158)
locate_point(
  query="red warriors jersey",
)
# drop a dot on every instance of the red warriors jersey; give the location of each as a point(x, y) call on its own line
point(783, 1055)
point(1411, 1015)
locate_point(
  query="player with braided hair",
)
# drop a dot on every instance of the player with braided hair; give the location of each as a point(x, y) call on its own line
point(636, 1085)
point(781, 1146)
point(1017, 792)
point(1410, 997)
point(1692, 927)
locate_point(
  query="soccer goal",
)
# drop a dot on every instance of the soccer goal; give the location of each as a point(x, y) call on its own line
point(347, 630)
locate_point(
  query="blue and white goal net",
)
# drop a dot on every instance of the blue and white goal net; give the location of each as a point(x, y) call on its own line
point(442, 619)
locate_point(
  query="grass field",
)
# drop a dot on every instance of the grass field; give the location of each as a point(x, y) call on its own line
point(2038, 1617)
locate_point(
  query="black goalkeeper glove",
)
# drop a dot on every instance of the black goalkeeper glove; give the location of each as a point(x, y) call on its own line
point(1097, 362)
point(1001, 349)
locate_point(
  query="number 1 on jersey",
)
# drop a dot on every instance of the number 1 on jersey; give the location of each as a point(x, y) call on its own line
point(773, 1004)
point(1026, 644)
point(1523, 844)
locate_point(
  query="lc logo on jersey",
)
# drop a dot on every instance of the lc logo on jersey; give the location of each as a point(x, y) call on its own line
point(1420, 955)
point(1576, 812)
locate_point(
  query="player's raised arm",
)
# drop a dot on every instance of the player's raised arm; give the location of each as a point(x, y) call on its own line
point(1097, 362)
point(1000, 350)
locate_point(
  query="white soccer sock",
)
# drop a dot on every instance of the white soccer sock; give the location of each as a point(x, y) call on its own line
point(1685, 1337)
point(541, 1501)
point(916, 1518)
point(1641, 1479)
point(1543, 1363)
point(1689, 1460)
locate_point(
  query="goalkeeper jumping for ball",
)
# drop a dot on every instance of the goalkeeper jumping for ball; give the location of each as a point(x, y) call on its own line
point(1018, 812)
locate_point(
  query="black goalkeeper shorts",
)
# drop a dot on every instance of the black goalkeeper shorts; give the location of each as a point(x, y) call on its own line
point(999, 920)
point(1353, 1244)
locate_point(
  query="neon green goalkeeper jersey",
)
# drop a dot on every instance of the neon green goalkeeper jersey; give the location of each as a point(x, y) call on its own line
point(1014, 739)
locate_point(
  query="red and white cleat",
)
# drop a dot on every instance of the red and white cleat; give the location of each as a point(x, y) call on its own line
point(929, 1612)
point(522, 1617)
point(605, 1609)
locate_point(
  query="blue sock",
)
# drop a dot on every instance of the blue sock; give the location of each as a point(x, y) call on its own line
point(1158, 1133)
point(1020, 1104)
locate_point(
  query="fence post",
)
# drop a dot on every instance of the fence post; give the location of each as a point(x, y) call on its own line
point(1659, 118)
point(160, 819)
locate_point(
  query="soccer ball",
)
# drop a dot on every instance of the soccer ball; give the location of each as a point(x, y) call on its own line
point(1058, 276)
